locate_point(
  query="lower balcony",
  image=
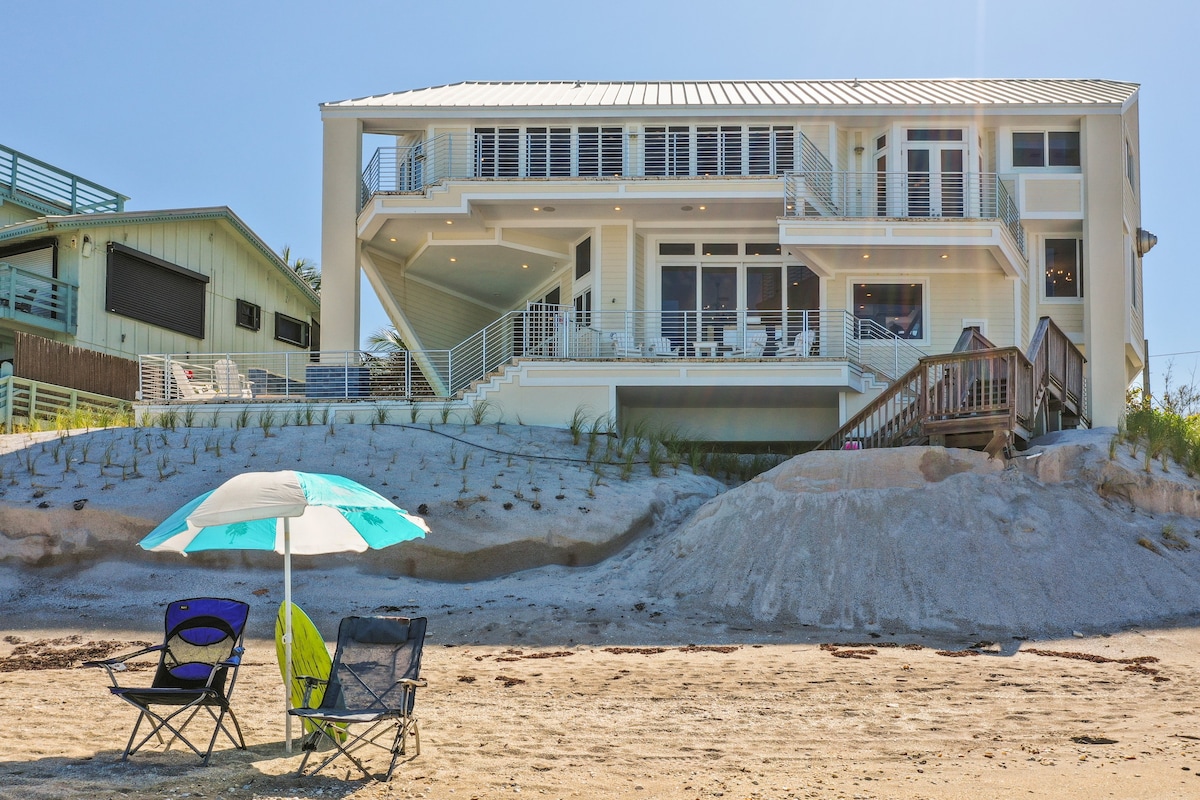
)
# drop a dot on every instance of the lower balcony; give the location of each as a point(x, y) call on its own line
point(635, 342)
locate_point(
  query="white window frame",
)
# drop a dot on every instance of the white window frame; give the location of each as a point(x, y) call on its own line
point(1041, 262)
point(926, 311)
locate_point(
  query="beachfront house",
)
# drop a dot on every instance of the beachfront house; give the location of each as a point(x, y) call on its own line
point(87, 287)
point(853, 262)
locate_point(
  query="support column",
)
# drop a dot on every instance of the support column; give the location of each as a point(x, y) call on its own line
point(1105, 248)
point(340, 278)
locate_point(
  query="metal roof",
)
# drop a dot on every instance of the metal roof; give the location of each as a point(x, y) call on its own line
point(835, 93)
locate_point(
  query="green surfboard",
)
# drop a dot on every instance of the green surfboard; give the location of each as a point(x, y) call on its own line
point(309, 657)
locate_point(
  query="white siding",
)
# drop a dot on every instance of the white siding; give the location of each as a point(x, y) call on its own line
point(235, 269)
point(614, 268)
point(952, 298)
point(439, 319)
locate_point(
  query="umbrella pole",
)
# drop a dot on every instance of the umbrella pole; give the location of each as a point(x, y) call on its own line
point(287, 632)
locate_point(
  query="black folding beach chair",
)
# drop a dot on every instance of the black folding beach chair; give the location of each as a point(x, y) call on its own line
point(373, 682)
point(197, 669)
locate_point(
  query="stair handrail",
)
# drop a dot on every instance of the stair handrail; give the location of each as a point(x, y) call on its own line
point(912, 382)
point(1057, 366)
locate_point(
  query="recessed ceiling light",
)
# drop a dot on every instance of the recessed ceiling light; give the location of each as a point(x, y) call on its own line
point(703, 208)
point(535, 208)
point(449, 222)
point(524, 266)
point(866, 255)
point(616, 208)
point(452, 258)
point(392, 239)
point(945, 255)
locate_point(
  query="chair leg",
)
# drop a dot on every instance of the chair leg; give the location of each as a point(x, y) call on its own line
point(129, 744)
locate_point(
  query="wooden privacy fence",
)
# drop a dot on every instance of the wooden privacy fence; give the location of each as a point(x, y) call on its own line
point(44, 360)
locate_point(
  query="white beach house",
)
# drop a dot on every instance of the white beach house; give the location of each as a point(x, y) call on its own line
point(751, 260)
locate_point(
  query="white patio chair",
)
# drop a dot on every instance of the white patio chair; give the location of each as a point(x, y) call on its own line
point(624, 345)
point(801, 347)
point(662, 348)
point(749, 345)
point(229, 382)
point(186, 385)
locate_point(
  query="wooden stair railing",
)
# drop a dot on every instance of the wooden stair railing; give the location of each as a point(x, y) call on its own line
point(977, 389)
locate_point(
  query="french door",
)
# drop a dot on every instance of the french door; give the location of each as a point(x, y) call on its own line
point(935, 182)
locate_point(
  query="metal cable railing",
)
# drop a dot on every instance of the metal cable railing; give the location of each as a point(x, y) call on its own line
point(540, 332)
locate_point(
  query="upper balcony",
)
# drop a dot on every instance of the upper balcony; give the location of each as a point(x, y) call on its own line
point(595, 152)
point(899, 219)
point(38, 302)
point(49, 190)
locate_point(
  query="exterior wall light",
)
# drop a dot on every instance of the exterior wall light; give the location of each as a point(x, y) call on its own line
point(1145, 241)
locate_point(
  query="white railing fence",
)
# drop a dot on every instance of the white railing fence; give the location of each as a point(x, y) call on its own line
point(541, 331)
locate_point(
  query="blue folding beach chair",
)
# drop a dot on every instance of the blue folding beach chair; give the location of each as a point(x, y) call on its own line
point(197, 668)
point(373, 682)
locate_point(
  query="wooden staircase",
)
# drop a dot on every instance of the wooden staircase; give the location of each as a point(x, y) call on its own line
point(978, 395)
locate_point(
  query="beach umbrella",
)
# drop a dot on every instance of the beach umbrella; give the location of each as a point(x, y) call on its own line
point(287, 512)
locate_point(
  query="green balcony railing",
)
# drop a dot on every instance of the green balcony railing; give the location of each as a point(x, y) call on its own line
point(33, 299)
point(47, 189)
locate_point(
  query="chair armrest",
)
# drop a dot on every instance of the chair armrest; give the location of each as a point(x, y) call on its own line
point(117, 663)
point(120, 660)
point(414, 683)
point(310, 683)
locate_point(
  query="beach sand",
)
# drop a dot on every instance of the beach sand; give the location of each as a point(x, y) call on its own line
point(730, 717)
point(602, 681)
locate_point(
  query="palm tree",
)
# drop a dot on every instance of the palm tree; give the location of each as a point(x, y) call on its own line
point(386, 341)
point(390, 363)
point(306, 270)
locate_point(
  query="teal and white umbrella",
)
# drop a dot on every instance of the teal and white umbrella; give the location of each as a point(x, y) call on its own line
point(287, 512)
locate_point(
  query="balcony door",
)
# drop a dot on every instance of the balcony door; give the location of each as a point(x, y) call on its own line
point(935, 180)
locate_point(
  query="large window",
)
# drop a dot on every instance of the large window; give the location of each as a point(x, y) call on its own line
point(1064, 274)
point(898, 307)
point(549, 152)
point(158, 292)
point(719, 150)
point(703, 298)
point(1045, 149)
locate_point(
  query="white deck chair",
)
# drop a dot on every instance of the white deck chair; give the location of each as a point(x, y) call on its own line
point(749, 346)
point(187, 387)
point(229, 382)
point(624, 346)
point(662, 348)
point(801, 347)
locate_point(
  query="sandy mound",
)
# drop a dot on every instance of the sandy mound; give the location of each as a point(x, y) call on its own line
point(928, 539)
point(499, 498)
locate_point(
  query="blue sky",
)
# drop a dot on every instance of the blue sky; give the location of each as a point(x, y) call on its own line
point(182, 104)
